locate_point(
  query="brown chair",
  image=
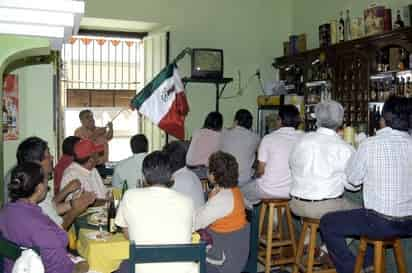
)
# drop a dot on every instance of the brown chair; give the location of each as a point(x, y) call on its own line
point(310, 226)
point(273, 244)
point(379, 254)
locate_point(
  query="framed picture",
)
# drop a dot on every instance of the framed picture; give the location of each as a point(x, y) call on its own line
point(10, 108)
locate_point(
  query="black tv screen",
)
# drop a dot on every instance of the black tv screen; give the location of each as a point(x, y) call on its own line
point(207, 63)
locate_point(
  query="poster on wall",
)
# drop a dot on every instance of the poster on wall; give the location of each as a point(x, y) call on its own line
point(10, 108)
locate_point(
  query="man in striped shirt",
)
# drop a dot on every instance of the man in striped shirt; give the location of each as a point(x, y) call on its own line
point(383, 164)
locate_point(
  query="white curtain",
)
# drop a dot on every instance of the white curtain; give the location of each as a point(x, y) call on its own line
point(154, 47)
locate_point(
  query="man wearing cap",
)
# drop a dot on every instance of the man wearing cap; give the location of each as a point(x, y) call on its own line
point(83, 169)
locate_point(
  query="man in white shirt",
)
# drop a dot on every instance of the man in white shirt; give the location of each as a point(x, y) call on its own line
point(157, 214)
point(130, 169)
point(317, 165)
point(185, 181)
point(241, 142)
point(83, 169)
point(274, 179)
point(383, 164)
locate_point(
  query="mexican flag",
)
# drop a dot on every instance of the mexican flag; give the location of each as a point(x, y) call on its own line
point(163, 101)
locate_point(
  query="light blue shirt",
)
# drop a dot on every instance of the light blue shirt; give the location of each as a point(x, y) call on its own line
point(129, 169)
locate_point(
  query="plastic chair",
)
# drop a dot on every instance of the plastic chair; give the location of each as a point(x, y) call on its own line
point(9, 250)
point(168, 253)
point(253, 217)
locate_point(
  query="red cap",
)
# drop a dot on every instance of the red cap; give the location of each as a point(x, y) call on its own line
point(85, 148)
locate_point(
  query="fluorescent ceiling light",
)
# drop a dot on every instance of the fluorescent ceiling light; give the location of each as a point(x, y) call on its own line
point(57, 20)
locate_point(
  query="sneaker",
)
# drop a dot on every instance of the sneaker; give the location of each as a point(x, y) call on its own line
point(368, 269)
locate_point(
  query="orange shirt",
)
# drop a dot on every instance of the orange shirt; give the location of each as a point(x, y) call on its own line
point(234, 220)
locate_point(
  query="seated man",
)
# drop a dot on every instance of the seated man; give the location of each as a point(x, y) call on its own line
point(274, 179)
point(157, 214)
point(64, 161)
point(317, 165)
point(34, 149)
point(241, 142)
point(383, 164)
point(185, 181)
point(83, 169)
point(130, 169)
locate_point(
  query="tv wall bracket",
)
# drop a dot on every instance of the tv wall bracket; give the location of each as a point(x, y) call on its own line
point(219, 83)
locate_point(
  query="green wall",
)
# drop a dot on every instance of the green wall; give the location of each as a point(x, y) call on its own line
point(308, 15)
point(36, 109)
point(13, 48)
point(249, 32)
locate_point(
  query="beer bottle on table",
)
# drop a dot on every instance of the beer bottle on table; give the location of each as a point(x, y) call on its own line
point(111, 215)
point(125, 187)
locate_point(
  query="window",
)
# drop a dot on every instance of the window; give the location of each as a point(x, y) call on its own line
point(102, 74)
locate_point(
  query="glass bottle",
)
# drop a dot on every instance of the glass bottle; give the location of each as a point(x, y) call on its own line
point(111, 216)
point(398, 23)
point(347, 25)
point(341, 28)
point(124, 187)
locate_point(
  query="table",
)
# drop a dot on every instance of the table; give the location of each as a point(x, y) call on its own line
point(103, 256)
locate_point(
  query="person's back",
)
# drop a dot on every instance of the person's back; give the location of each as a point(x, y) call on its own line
point(274, 150)
point(317, 165)
point(130, 169)
point(157, 214)
point(187, 183)
point(242, 144)
point(389, 166)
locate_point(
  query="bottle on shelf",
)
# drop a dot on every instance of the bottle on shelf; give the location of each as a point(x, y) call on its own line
point(408, 87)
point(347, 25)
point(341, 28)
point(398, 23)
point(124, 187)
point(111, 215)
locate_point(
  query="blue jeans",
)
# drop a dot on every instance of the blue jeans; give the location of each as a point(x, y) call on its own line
point(336, 226)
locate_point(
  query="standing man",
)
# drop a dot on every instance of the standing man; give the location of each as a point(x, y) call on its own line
point(383, 164)
point(99, 135)
point(274, 178)
point(130, 169)
point(242, 143)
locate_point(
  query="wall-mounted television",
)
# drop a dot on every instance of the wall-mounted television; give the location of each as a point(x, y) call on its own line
point(207, 63)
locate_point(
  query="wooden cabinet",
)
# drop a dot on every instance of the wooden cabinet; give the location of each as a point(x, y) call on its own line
point(348, 71)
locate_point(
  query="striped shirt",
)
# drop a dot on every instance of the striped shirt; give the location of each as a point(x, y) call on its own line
point(383, 164)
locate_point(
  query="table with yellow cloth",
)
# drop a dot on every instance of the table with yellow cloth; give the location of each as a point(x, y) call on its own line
point(103, 256)
point(106, 255)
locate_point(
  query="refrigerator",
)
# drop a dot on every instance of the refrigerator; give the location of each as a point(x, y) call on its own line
point(268, 111)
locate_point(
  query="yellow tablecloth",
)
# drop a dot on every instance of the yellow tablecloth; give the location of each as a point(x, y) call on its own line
point(103, 256)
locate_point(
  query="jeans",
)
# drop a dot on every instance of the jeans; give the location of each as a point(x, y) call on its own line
point(336, 226)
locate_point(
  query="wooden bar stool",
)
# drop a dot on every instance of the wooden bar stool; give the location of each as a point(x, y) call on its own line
point(310, 226)
point(379, 254)
point(273, 244)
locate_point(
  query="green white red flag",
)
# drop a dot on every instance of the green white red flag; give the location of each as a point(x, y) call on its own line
point(163, 101)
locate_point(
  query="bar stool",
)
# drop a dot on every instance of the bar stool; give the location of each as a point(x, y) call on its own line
point(379, 254)
point(310, 226)
point(273, 244)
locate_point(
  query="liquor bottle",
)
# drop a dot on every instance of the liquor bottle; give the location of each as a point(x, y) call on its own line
point(401, 87)
point(398, 23)
point(347, 25)
point(341, 28)
point(111, 215)
point(408, 87)
point(124, 187)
